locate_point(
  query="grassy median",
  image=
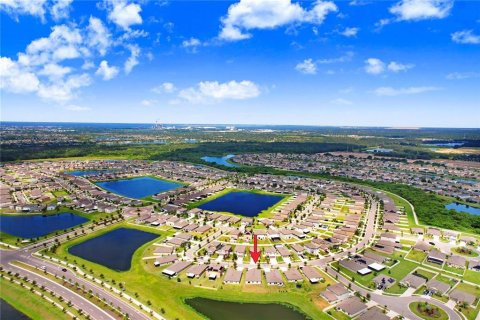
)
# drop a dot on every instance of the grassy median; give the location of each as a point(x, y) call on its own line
point(29, 303)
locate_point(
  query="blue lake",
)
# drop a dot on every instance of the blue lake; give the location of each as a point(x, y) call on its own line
point(247, 204)
point(83, 173)
point(463, 208)
point(380, 150)
point(37, 225)
point(220, 310)
point(138, 188)
point(113, 249)
point(7, 311)
point(446, 144)
point(221, 160)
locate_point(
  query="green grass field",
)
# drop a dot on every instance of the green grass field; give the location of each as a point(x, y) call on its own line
point(472, 276)
point(427, 274)
point(29, 303)
point(416, 255)
point(338, 315)
point(465, 252)
point(60, 193)
point(419, 309)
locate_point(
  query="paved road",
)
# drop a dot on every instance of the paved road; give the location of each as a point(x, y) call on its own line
point(25, 255)
point(394, 303)
point(78, 301)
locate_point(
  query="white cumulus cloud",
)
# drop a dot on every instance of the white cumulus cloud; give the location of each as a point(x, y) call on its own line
point(125, 14)
point(211, 91)
point(247, 15)
point(374, 66)
point(191, 44)
point(64, 42)
point(421, 9)
point(60, 9)
point(106, 72)
point(65, 90)
point(307, 66)
point(98, 35)
point(56, 66)
point(465, 37)
point(132, 61)
point(377, 66)
point(15, 79)
point(398, 67)
point(54, 71)
point(39, 68)
point(21, 7)
point(350, 32)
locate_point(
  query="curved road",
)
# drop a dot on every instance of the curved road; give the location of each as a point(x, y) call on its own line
point(78, 301)
point(395, 303)
point(25, 255)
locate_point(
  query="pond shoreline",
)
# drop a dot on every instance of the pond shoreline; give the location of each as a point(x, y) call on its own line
point(264, 310)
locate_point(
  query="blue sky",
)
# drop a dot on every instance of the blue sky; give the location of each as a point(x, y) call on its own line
point(406, 63)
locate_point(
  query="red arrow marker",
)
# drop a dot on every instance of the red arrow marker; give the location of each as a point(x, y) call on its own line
point(255, 254)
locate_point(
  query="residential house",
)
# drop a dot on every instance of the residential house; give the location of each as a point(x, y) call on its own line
point(352, 306)
point(312, 274)
point(253, 276)
point(274, 277)
point(176, 268)
point(232, 276)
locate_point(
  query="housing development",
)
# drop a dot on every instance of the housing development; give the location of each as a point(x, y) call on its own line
point(445, 177)
point(350, 250)
point(239, 160)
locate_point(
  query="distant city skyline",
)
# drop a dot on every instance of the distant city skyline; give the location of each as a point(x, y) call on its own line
point(406, 63)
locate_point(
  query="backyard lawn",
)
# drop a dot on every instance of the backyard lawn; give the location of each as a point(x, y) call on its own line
point(416, 255)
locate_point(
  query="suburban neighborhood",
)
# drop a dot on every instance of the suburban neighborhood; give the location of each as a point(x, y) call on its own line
point(359, 249)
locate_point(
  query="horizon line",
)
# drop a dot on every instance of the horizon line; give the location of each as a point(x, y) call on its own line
point(249, 124)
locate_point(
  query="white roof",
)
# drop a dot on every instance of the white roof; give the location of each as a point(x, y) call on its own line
point(169, 272)
point(376, 266)
point(364, 271)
